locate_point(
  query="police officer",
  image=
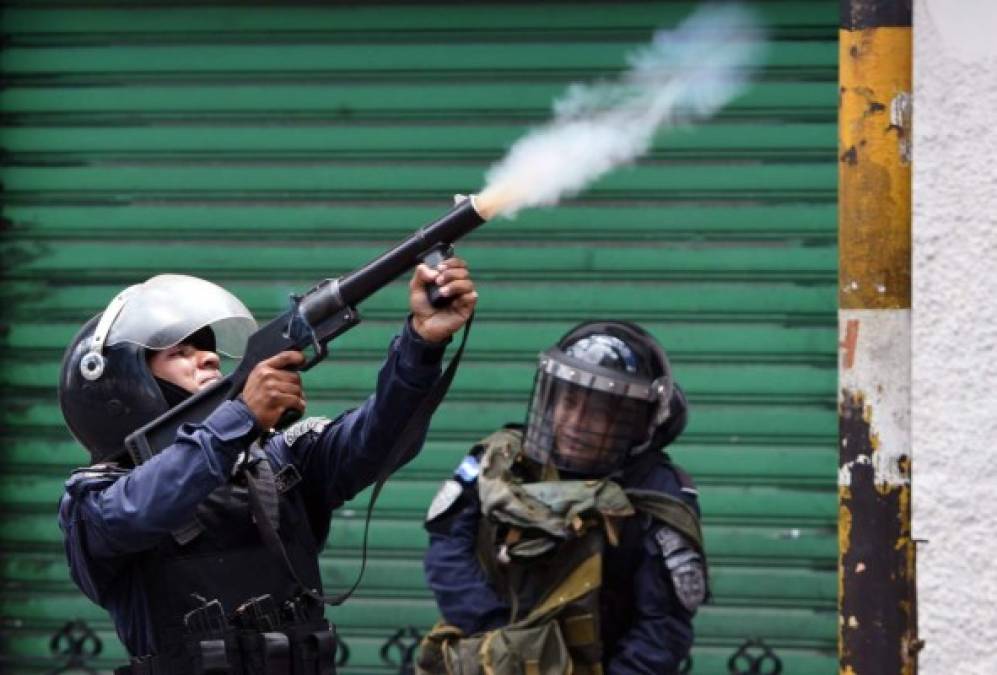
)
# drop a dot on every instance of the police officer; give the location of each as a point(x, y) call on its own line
point(575, 539)
point(174, 548)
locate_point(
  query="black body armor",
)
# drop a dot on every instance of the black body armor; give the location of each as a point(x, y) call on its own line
point(226, 604)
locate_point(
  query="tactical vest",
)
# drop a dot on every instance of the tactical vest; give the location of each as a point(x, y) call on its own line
point(541, 545)
point(224, 603)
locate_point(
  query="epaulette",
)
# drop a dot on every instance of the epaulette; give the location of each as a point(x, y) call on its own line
point(94, 477)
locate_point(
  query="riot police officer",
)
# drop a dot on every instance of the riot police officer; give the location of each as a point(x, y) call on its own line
point(177, 549)
point(575, 538)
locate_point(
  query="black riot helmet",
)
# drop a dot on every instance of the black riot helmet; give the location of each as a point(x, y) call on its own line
point(604, 393)
point(106, 390)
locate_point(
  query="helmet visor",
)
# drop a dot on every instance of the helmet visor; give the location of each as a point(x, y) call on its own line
point(582, 430)
point(168, 308)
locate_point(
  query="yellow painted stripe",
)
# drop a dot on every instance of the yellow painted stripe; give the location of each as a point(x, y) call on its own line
point(874, 172)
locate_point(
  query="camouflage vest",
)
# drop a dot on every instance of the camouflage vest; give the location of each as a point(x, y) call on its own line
point(522, 526)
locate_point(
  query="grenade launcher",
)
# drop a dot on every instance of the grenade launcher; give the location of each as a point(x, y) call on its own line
point(315, 318)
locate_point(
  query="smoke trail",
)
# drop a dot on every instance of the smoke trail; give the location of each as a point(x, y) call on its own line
point(683, 75)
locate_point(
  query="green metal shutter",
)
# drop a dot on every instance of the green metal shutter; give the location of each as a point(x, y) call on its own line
point(268, 146)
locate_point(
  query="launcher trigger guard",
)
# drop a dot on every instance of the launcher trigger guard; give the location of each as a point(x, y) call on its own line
point(321, 351)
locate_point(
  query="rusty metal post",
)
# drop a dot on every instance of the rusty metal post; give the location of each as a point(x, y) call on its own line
point(877, 633)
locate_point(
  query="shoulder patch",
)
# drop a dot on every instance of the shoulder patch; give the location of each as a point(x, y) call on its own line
point(305, 426)
point(448, 494)
point(685, 566)
point(286, 478)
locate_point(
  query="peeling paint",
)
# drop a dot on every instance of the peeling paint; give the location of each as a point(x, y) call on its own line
point(889, 472)
point(875, 369)
point(845, 470)
point(844, 522)
point(900, 121)
point(876, 571)
point(848, 344)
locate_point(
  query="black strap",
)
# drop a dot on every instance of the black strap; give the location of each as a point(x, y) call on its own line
point(269, 533)
point(261, 474)
point(408, 437)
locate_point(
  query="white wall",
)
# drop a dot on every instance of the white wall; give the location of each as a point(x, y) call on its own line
point(955, 333)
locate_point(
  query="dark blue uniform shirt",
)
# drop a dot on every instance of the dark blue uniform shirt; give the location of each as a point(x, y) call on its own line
point(646, 630)
point(108, 519)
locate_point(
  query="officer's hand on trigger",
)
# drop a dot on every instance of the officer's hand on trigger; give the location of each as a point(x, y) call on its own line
point(273, 387)
point(437, 324)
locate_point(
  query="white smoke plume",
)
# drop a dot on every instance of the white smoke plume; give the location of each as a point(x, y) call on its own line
point(684, 75)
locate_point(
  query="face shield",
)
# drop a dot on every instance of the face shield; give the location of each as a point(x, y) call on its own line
point(585, 418)
point(164, 311)
point(168, 308)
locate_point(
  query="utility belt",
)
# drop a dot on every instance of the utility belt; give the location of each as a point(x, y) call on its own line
point(260, 638)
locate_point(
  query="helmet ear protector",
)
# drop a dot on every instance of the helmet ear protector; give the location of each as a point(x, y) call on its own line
point(104, 402)
point(93, 363)
point(659, 387)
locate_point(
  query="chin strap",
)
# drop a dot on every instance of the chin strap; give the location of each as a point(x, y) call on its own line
point(174, 394)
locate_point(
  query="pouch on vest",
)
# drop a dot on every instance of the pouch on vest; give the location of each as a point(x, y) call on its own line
point(538, 650)
point(460, 657)
point(211, 642)
point(535, 650)
point(313, 648)
point(429, 659)
point(216, 656)
point(265, 653)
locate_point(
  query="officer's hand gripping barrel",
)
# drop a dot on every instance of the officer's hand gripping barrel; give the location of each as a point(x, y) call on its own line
point(315, 318)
